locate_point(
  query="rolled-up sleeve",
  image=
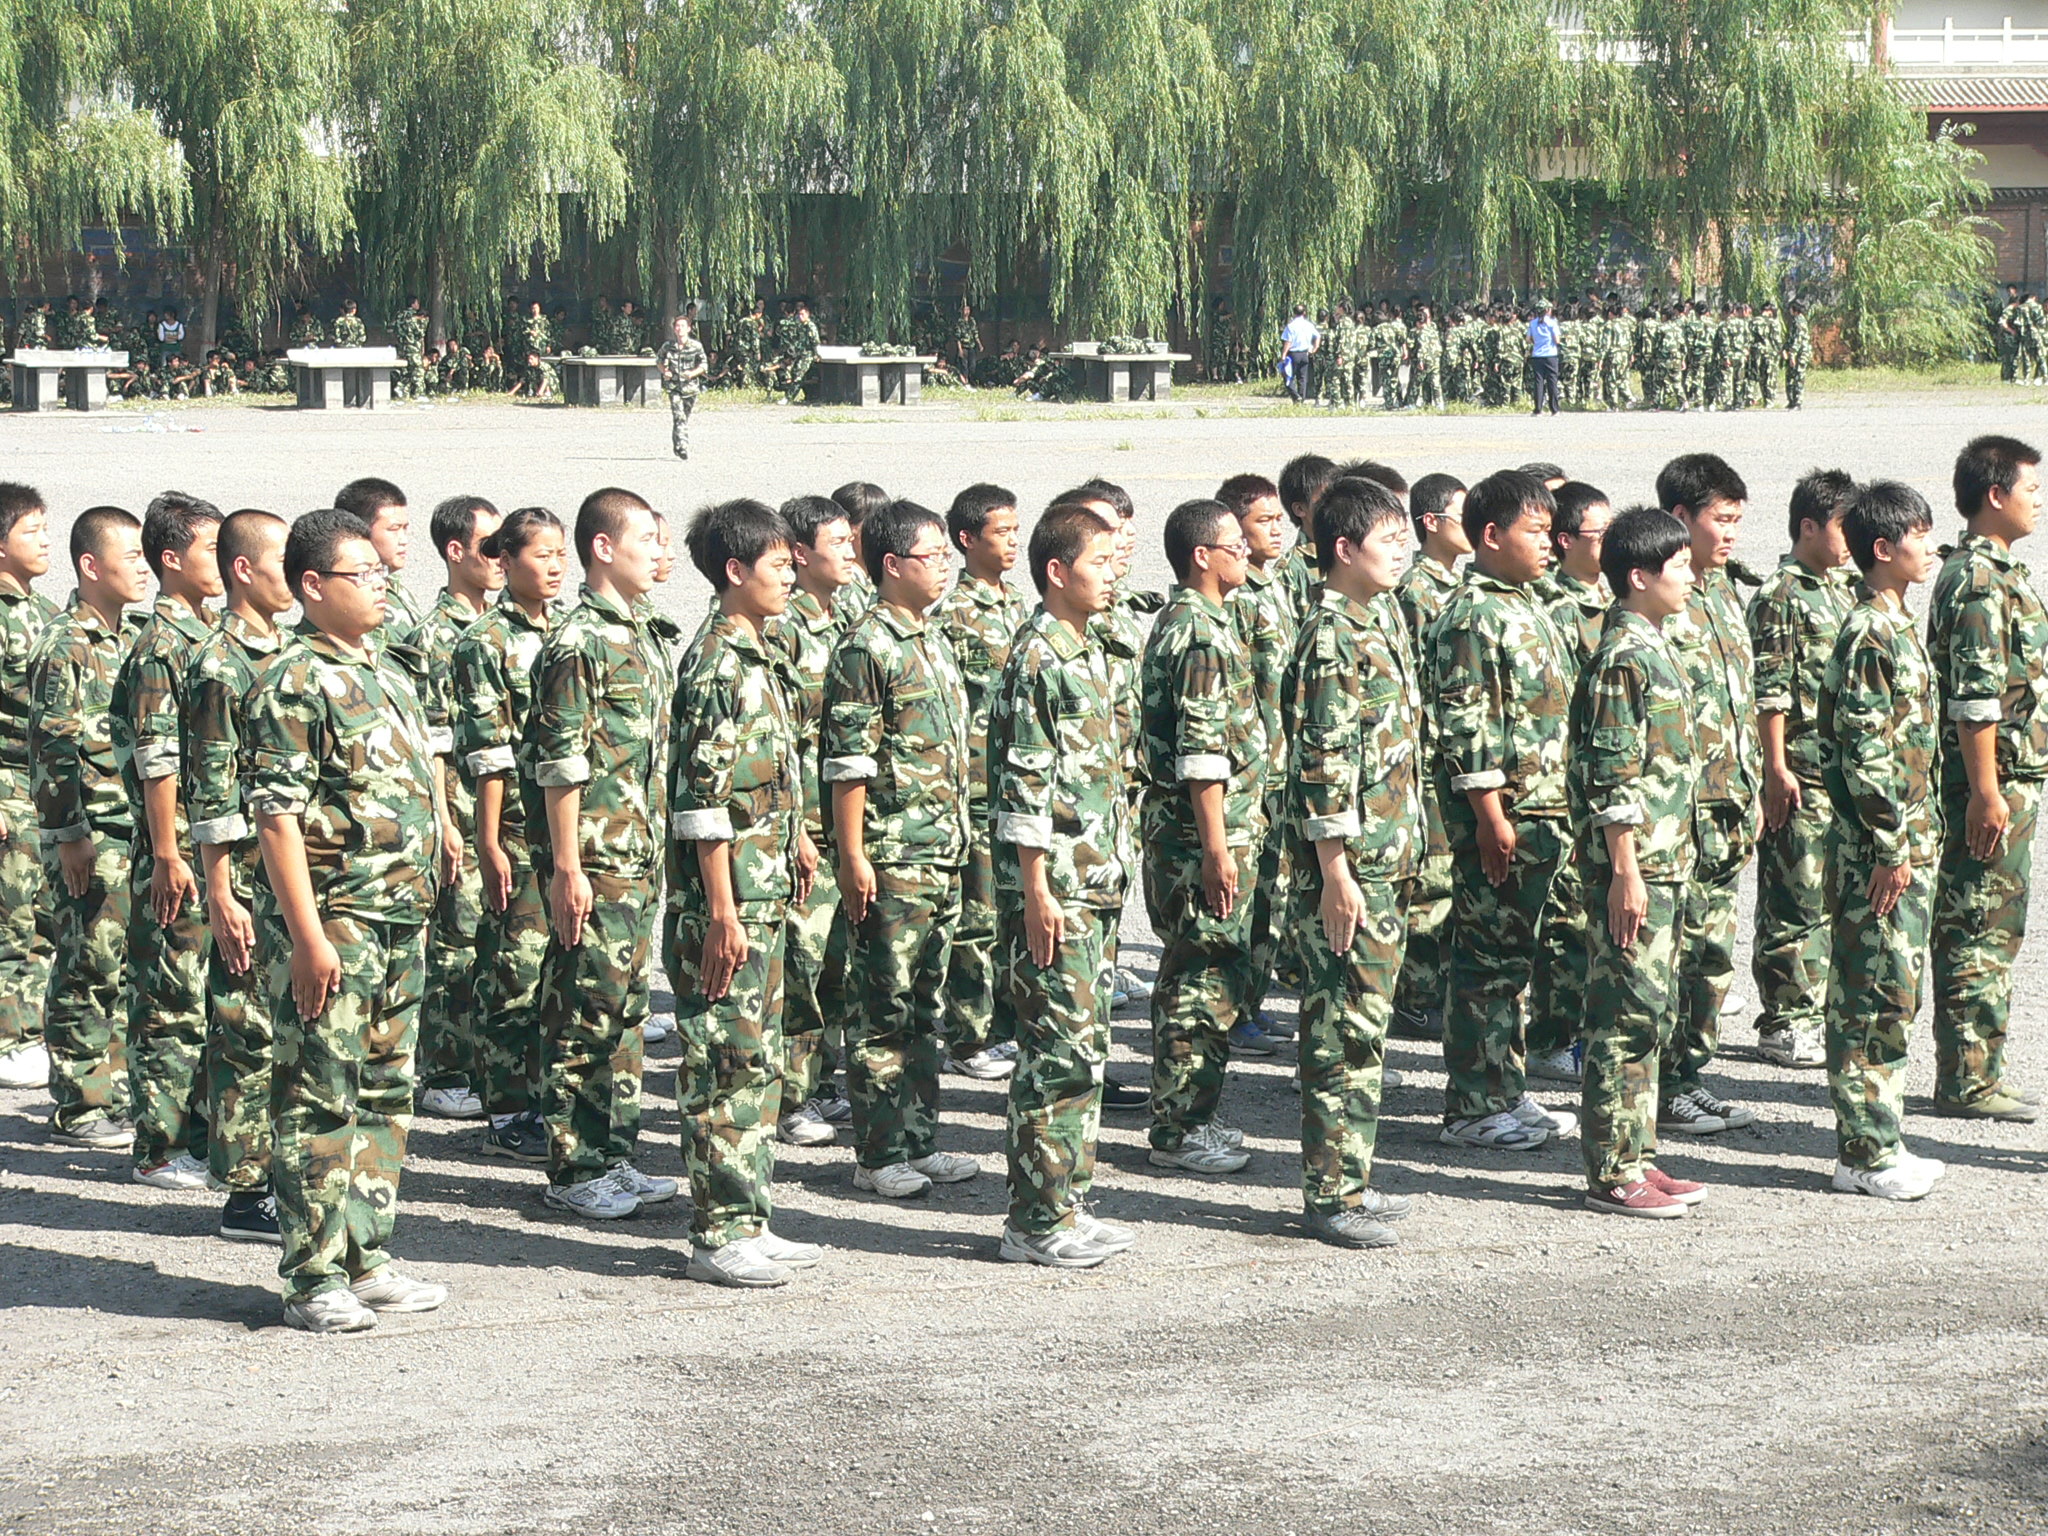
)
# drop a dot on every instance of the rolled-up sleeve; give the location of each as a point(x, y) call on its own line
point(1201, 748)
point(1023, 733)
point(1610, 753)
point(281, 731)
point(56, 746)
point(850, 742)
point(1977, 667)
point(558, 734)
point(1473, 740)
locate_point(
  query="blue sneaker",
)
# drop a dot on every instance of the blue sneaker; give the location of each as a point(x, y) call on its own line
point(522, 1137)
point(1246, 1038)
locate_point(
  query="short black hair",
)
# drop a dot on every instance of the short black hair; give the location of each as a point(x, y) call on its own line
point(1062, 534)
point(454, 521)
point(1188, 527)
point(366, 497)
point(240, 533)
point(1819, 497)
point(1882, 509)
point(1501, 500)
point(808, 515)
point(312, 543)
point(862, 499)
point(1431, 497)
point(522, 525)
point(742, 529)
point(1351, 508)
point(1543, 470)
point(1111, 492)
point(1696, 481)
point(1372, 469)
point(16, 502)
point(893, 531)
point(969, 514)
point(1240, 491)
point(1987, 463)
point(1640, 539)
point(1568, 509)
point(1304, 478)
point(604, 512)
point(89, 533)
point(170, 523)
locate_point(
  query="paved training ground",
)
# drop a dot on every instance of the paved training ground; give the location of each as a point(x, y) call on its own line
point(1786, 1360)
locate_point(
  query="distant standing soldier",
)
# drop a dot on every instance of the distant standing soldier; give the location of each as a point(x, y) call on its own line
point(306, 328)
point(1426, 385)
point(25, 899)
point(536, 342)
point(2008, 334)
point(349, 330)
point(1798, 354)
point(682, 364)
point(1766, 350)
point(409, 331)
point(966, 340)
point(798, 334)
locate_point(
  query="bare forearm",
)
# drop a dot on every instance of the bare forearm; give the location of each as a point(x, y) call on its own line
point(714, 863)
point(849, 818)
point(565, 811)
point(1206, 795)
point(1979, 742)
point(283, 843)
point(160, 810)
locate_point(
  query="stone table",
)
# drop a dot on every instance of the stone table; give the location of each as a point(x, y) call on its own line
point(1113, 377)
point(47, 380)
point(342, 378)
point(615, 379)
point(843, 376)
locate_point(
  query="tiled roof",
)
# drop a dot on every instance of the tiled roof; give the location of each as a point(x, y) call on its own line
point(2005, 91)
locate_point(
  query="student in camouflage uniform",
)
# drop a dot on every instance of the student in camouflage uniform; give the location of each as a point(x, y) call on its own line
point(341, 785)
point(349, 330)
point(86, 828)
point(1793, 620)
point(1426, 347)
point(1577, 603)
point(1633, 777)
point(2033, 341)
point(27, 931)
point(1501, 677)
point(1766, 353)
point(1712, 641)
point(1878, 744)
point(798, 334)
point(535, 343)
point(409, 335)
point(590, 766)
point(1302, 481)
point(1436, 505)
point(1798, 355)
point(749, 345)
point(1354, 733)
point(979, 618)
point(1389, 344)
point(1988, 635)
point(1057, 786)
point(448, 1040)
point(490, 699)
point(381, 507)
point(683, 365)
point(1202, 828)
point(2006, 331)
point(239, 1039)
point(306, 330)
point(166, 941)
point(738, 860)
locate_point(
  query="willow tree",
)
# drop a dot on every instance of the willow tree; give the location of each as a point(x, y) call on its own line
point(475, 127)
point(252, 93)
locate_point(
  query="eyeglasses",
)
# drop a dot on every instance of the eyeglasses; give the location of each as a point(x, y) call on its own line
point(930, 554)
point(379, 577)
point(1240, 549)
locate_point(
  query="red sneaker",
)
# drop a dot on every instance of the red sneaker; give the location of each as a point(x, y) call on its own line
point(1642, 1198)
point(1684, 1191)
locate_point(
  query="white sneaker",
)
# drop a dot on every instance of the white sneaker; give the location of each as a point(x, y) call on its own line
point(780, 1250)
point(181, 1172)
point(740, 1265)
point(386, 1290)
point(597, 1199)
point(1204, 1151)
point(1559, 1122)
point(645, 1188)
point(659, 1027)
point(1933, 1167)
point(1901, 1181)
point(1734, 1003)
point(1103, 1234)
point(1133, 986)
point(336, 1311)
point(946, 1167)
point(984, 1064)
point(1227, 1135)
point(805, 1127)
point(1501, 1131)
point(1790, 1047)
point(451, 1104)
point(1389, 1080)
point(1061, 1248)
point(1559, 1066)
point(26, 1066)
point(897, 1181)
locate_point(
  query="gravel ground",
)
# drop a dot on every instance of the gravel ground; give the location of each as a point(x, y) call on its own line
point(1787, 1360)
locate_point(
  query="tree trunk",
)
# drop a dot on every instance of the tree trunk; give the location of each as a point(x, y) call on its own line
point(437, 285)
point(208, 318)
point(671, 282)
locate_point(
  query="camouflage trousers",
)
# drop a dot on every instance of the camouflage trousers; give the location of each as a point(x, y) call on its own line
point(1426, 386)
point(1557, 988)
point(1873, 993)
point(970, 966)
point(1795, 386)
point(1273, 947)
point(1493, 934)
point(814, 1006)
point(166, 1022)
point(1062, 1014)
point(1425, 966)
point(1337, 386)
point(506, 990)
point(729, 1087)
point(341, 1100)
point(1344, 1014)
point(1766, 380)
point(1789, 944)
point(448, 1014)
point(1206, 981)
point(1980, 921)
point(679, 408)
point(592, 1053)
point(895, 978)
point(1631, 1011)
point(793, 384)
point(1724, 831)
point(85, 1011)
point(240, 1048)
point(27, 928)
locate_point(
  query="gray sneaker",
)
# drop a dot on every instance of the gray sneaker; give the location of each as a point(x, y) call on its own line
point(740, 1265)
point(102, 1133)
point(335, 1311)
point(1103, 1234)
point(777, 1249)
point(1351, 1229)
point(1061, 1248)
point(384, 1289)
point(596, 1199)
point(645, 1188)
point(1382, 1207)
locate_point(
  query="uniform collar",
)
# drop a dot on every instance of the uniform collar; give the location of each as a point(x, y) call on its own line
point(808, 611)
point(1474, 576)
point(984, 594)
point(742, 638)
point(1585, 593)
point(12, 591)
point(610, 606)
point(1346, 604)
point(1990, 549)
point(87, 617)
point(1058, 634)
point(247, 635)
point(456, 608)
point(193, 626)
point(520, 618)
point(319, 640)
point(905, 625)
point(1200, 600)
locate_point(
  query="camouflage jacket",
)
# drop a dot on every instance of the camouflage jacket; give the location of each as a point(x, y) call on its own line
point(1633, 762)
point(1056, 767)
point(145, 711)
point(75, 778)
point(1300, 578)
point(1354, 730)
point(217, 684)
point(1712, 642)
point(1265, 623)
point(980, 622)
point(1876, 723)
point(1421, 596)
point(1194, 727)
point(402, 612)
point(1579, 610)
point(1501, 676)
point(734, 770)
point(799, 337)
point(804, 637)
point(1121, 636)
point(24, 615)
point(428, 650)
point(490, 698)
point(895, 719)
point(1988, 638)
point(349, 331)
point(676, 359)
point(1793, 620)
point(601, 694)
point(339, 740)
point(409, 333)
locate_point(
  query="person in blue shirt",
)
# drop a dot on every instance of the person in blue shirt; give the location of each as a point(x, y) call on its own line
point(1299, 341)
point(1543, 357)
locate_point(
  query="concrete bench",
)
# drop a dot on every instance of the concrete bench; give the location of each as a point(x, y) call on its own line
point(46, 380)
point(1115, 377)
point(842, 376)
point(342, 378)
point(609, 380)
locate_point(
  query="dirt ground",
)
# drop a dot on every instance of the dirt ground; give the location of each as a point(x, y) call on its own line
point(1788, 1360)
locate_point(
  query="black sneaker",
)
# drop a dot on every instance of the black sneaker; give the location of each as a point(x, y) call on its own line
point(1116, 1095)
point(1417, 1024)
point(523, 1137)
point(250, 1218)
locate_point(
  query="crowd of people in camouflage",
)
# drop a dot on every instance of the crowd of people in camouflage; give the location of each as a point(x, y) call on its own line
point(267, 891)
